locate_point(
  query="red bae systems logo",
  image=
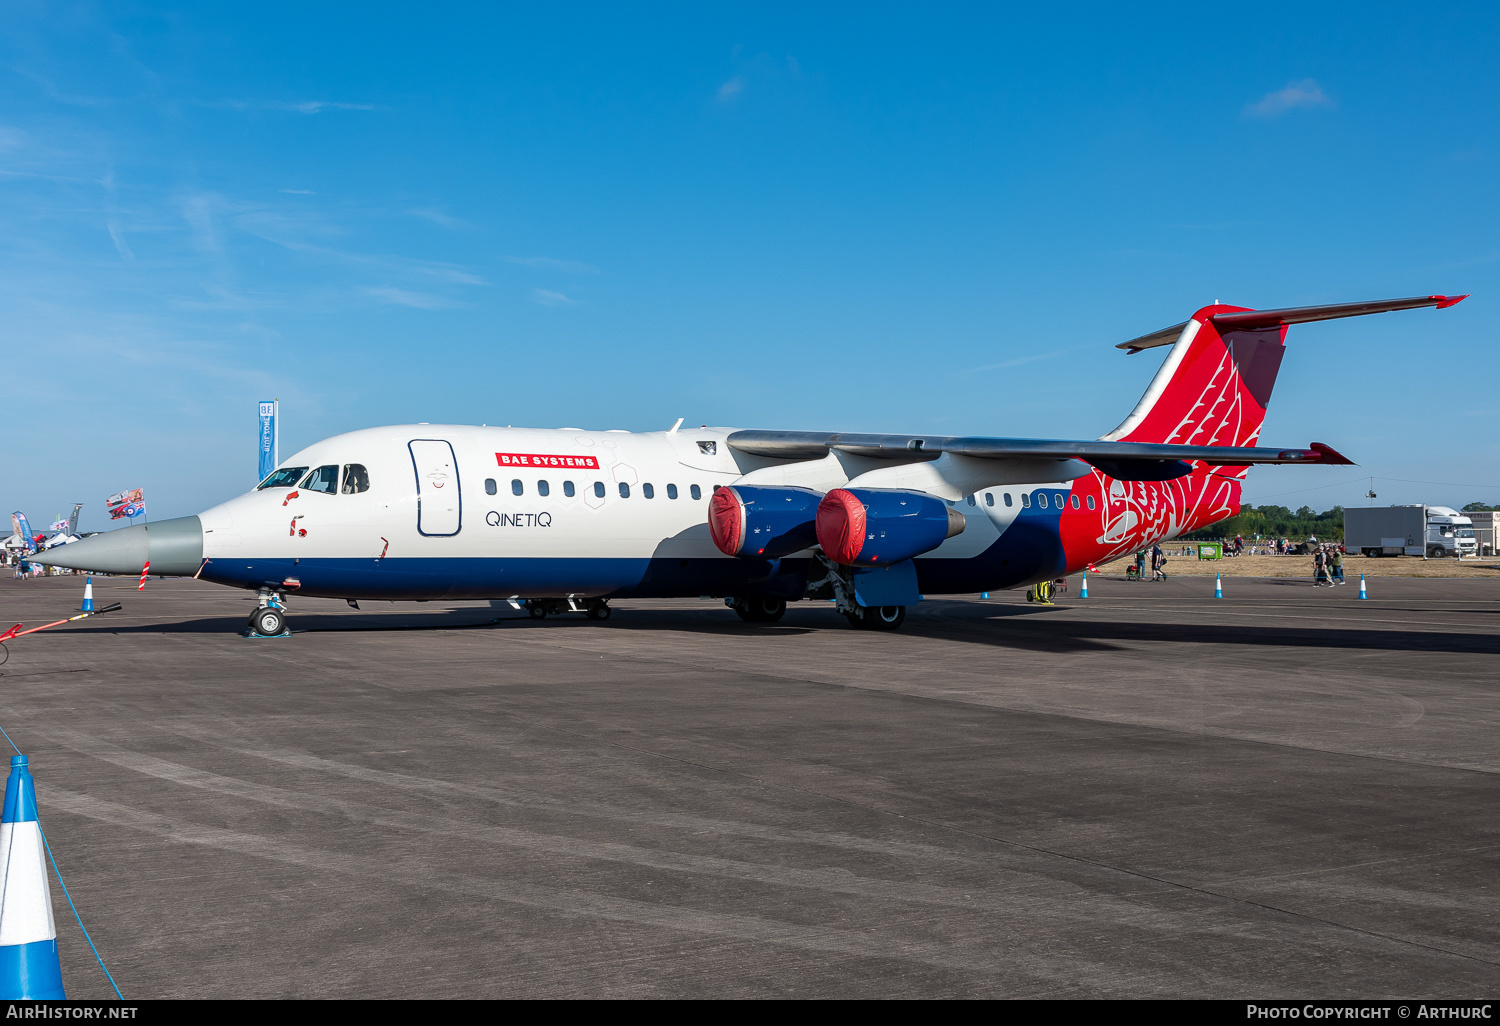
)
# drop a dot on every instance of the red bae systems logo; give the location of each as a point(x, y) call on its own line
point(531, 459)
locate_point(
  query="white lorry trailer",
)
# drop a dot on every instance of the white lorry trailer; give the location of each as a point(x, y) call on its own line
point(1430, 531)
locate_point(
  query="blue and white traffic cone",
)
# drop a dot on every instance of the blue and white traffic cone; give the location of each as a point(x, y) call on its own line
point(88, 595)
point(1362, 587)
point(984, 594)
point(29, 967)
point(1083, 592)
point(1218, 587)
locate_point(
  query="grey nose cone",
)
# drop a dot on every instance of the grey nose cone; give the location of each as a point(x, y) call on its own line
point(174, 547)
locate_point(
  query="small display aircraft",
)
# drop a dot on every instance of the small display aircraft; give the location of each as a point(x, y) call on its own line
point(565, 519)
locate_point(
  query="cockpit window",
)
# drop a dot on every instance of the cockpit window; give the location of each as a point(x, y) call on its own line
point(356, 479)
point(286, 477)
point(323, 479)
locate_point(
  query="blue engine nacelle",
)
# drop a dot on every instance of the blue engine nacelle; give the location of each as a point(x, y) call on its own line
point(878, 527)
point(763, 523)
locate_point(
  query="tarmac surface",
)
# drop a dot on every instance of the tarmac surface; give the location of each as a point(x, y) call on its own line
point(1146, 793)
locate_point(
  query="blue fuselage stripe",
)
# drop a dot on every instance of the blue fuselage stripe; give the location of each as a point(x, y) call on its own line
point(1030, 549)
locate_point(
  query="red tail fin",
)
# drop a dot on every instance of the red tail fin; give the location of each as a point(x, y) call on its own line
point(1216, 382)
point(1212, 389)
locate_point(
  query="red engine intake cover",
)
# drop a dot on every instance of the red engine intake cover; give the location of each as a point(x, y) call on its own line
point(726, 521)
point(841, 526)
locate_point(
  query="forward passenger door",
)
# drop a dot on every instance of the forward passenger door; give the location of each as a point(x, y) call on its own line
point(439, 502)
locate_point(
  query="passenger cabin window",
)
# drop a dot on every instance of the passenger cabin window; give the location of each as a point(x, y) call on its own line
point(972, 502)
point(1025, 500)
point(599, 489)
point(1091, 502)
point(489, 486)
point(648, 491)
point(671, 491)
point(517, 488)
point(1041, 499)
point(568, 489)
point(695, 491)
point(989, 498)
point(1074, 501)
point(323, 479)
point(286, 477)
point(1059, 498)
point(356, 479)
point(1007, 498)
point(543, 488)
point(624, 490)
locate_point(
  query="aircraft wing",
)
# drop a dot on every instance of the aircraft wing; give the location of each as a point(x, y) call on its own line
point(1129, 461)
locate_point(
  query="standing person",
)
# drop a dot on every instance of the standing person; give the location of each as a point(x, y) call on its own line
point(1140, 565)
point(1158, 564)
point(1336, 564)
point(1320, 568)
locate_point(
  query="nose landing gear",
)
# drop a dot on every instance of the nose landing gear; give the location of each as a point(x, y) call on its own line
point(269, 618)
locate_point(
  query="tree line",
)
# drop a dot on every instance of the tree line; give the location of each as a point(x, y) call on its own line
point(1280, 522)
point(1277, 522)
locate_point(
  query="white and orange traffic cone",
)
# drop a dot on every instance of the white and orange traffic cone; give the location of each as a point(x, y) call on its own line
point(88, 595)
point(29, 967)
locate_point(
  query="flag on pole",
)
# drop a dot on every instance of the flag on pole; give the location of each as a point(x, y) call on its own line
point(270, 439)
point(129, 503)
point(21, 527)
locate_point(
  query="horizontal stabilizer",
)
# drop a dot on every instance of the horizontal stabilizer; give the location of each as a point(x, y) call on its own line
point(811, 445)
point(1243, 320)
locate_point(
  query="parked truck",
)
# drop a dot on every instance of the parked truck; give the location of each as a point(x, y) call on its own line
point(1429, 531)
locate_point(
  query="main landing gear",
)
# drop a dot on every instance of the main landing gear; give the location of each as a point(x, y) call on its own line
point(757, 610)
point(594, 609)
point(877, 618)
point(269, 618)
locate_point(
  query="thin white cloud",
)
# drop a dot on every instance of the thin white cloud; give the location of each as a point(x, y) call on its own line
point(1306, 93)
point(299, 192)
point(121, 246)
point(729, 90)
point(197, 211)
point(300, 106)
point(551, 264)
point(547, 297)
point(405, 297)
point(438, 217)
point(1033, 358)
point(452, 274)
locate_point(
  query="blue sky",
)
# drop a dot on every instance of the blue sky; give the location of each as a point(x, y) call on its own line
point(862, 217)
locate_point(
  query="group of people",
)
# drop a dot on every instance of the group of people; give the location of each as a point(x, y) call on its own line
point(1158, 564)
point(1328, 565)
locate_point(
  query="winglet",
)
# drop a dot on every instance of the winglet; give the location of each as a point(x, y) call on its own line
point(1444, 302)
point(1327, 454)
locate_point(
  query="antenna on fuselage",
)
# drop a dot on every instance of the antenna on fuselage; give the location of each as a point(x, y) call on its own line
point(674, 427)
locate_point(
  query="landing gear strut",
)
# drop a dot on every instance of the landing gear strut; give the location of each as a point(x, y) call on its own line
point(841, 580)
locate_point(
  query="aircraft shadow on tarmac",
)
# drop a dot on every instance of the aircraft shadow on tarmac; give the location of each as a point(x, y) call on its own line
point(1018, 628)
